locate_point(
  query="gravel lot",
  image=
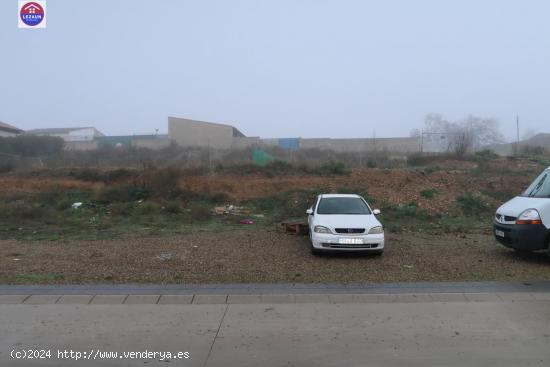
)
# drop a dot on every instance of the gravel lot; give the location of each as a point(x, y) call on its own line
point(263, 256)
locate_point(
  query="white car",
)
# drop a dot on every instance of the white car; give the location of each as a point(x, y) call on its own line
point(344, 222)
point(523, 223)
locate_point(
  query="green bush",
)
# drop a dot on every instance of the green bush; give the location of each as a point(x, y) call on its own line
point(122, 193)
point(471, 204)
point(172, 207)
point(286, 205)
point(147, 208)
point(429, 193)
point(199, 212)
point(332, 168)
point(406, 210)
point(485, 155)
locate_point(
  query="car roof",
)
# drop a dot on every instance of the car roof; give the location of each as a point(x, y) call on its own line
point(339, 196)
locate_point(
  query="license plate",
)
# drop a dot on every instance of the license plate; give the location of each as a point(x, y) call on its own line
point(499, 233)
point(350, 241)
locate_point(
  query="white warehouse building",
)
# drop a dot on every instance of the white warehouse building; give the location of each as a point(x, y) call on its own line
point(68, 134)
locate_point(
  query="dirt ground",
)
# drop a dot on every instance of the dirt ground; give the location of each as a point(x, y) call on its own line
point(263, 256)
point(386, 186)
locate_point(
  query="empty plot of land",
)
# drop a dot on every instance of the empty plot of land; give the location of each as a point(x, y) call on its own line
point(263, 256)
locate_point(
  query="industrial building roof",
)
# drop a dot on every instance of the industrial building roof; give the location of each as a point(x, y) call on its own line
point(8, 127)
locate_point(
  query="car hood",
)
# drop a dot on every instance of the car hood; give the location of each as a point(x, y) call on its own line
point(347, 221)
point(517, 205)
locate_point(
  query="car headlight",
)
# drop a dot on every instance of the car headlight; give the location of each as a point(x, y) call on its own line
point(321, 229)
point(529, 216)
point(376, 230)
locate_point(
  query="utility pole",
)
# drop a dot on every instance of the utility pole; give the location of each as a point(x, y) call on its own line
point(517, 133)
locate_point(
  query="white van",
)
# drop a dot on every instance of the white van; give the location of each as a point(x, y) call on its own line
point(523, 223)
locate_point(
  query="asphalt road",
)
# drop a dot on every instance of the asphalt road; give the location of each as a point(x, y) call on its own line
point(486, 333)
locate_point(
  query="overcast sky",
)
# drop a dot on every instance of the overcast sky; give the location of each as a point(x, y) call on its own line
point(277, 68)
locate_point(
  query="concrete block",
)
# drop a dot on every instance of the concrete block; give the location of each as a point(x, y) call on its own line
point(210, 298)
point(42, 299)
point(244, 298)
point(108, 299)
point(142, 299)
point(11, 299)
point(75, 299)
point(168, 299)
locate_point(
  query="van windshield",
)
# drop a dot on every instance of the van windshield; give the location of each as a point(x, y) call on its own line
point(540, 188)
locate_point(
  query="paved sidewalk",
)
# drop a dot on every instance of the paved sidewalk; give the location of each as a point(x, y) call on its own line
point(492, 332)
point(275, 293)
point(133, 299)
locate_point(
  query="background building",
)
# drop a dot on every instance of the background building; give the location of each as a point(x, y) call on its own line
point(7, 130)
point(68, 134)
point(193, 133)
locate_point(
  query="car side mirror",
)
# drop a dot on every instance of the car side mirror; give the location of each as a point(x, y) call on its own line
point(376, 211)
point(309, 211)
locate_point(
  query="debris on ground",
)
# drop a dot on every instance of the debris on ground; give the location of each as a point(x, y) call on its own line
point(231, 209)
point(166, 256)
point(247, 221)
point(296, 227)
point(76, 205)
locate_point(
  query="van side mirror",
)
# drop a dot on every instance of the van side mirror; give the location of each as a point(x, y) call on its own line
point(309, 211)
point(376, 211)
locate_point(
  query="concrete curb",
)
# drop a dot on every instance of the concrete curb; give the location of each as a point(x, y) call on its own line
point(277, 288)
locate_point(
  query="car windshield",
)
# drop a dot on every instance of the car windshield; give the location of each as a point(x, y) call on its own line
point(343, 205)
point(540, 188)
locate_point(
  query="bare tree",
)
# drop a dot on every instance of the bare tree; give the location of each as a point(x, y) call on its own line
point(463, 136)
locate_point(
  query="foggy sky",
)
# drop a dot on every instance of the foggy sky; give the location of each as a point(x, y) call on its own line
point(277, 68)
